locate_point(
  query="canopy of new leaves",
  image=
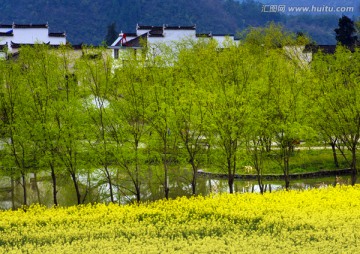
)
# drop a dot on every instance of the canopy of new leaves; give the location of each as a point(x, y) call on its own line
point(130, 127)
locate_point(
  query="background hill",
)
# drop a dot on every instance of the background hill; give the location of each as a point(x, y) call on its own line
point(86, 21)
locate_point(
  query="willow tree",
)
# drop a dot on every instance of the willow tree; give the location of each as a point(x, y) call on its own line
point(20, 148)
point(190, 113)
point(42, 80)
point(161, 81)
point(70, 123)
point(190, 117)
point(278, 87)
point(336, 89)
point(228, 99)
point(131, 127)
point(95, 76)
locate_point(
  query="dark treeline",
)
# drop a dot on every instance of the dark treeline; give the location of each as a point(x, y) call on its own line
point(193, 107)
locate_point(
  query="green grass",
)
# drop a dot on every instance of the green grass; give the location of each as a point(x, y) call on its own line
point(302, 161)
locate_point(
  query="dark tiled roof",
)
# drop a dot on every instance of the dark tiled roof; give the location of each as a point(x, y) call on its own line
point(30, 25)
point(57, 34)
point(131, 34)
point(140, 27)
point(204, 35)
point(222, 34)
point(156, 33)
point(137, 42)
point(121, 41)
point(193, 27)
point(3, 46)
point(9, 33)
point(5, 26)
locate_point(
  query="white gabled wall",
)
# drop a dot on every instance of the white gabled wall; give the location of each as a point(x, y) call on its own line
point(168, 35)
point(178, 35)
point(222, 39)
point(56, 40)
point(30, 35)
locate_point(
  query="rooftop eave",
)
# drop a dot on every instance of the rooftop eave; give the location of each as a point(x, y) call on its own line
point(57, 35)
point(123, 47)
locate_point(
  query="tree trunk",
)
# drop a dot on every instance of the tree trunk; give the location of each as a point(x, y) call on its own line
point(231, 183)
point(353, 167)
point(37, 188)
point(261, 185)
point(138, 194)
point(333, 147)
point(230, 176)
point(193, 184)
point(194, 176)
point(76, 185)
point(24, 188)
point(53, 178)
point(257, 165)
point(166, 187)
point(111, 191)
point(287, 182)
point(108, 176)
point(137, 181)
point(12, 193)
point(286, 168)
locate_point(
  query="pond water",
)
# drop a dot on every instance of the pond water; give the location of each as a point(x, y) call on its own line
point(97, 191)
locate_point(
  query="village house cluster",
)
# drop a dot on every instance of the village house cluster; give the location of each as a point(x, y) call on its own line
point(13, 36)
point(150, 36)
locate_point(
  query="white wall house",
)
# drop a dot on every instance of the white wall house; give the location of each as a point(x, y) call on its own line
point(14, 35)
point(152, 36)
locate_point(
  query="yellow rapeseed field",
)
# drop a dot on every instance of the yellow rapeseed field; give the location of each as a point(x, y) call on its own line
point(313, 221)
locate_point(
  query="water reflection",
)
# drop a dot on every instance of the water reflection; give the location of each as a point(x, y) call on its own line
point(95, 189)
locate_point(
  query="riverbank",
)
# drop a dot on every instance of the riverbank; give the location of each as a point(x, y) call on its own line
point(325, 173)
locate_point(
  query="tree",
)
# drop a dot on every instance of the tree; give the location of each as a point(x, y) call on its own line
point(164, 141)
point(161, 82)
point(345, 32)
point(112, 34)
point(229, 77)
point(335, 88)
point(357, 26)
point(279, 106)
point(69, 122)
point(190, 115)
point(96, 77)
point(42, 79)
point(21, 148)
point(131, 127)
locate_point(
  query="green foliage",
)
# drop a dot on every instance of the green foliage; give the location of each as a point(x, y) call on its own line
point(345, 33)
point(196, 107)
